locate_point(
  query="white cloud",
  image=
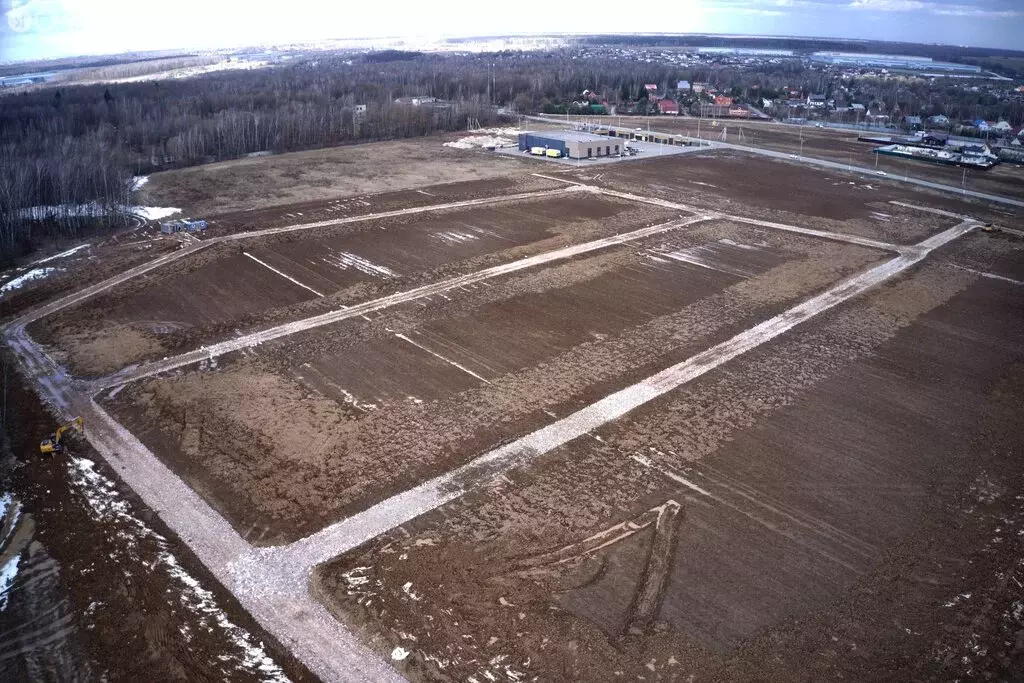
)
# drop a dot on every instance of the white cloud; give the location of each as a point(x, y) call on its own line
point(744, 10)
point(889, 5)
point(934, 8)
point(978, 12)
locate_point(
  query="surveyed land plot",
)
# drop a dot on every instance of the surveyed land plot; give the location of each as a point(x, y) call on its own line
point(759, 513)
point(254, 283)
point(418, 389)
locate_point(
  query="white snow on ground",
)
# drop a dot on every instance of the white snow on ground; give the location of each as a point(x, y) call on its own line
point(95, 210)
point(7, 575)
point(63, 254)
point(510, 131)
point(138, 181)
point(22, 280)
point(9, 570)
point(189, 72)
point(481, 141)
point(345, 260)
point(713, 256)
point(108, 506)
point(454, 236)
point(154, 213)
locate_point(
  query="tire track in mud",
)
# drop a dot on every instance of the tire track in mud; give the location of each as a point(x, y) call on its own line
point(353, 531)
point(271, 583)
point(357, 310)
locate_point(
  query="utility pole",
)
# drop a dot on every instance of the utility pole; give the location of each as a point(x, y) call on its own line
point(963, 183)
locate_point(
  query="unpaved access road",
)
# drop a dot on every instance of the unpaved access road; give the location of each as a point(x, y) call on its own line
point(272, 583)
point(842, 501)
point(892, 174)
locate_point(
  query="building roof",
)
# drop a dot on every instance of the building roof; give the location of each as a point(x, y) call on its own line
point(567, 136)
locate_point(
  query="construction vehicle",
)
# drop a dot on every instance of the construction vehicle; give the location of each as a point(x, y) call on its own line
point(55, 442)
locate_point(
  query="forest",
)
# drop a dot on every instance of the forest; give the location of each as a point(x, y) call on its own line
point(71, 145)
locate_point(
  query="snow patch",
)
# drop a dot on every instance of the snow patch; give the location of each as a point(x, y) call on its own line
point(713, 256)
point(154, 213)
point(346, 260)
point(7, 575)
point(399, 653)
point(454, 236)
point(96, 210)
point(481, 142)
point(138, 181)
point(63, 254)
point(107, 506)
point(30, 276)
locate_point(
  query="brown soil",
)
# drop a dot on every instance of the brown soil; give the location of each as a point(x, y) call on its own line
point(842, 146)
point(94, 598)
point(344, 206)
point(864, 519)
point(104, 259)
point(323, 174)
point(220, 291)
point(394, 413)
point(787, 193)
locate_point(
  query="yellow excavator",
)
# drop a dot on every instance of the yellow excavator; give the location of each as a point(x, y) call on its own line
point(55, 442)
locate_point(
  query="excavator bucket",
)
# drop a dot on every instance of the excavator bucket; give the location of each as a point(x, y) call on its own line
point(55, 442)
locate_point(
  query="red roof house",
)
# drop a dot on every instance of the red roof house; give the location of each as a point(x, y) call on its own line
point(667, 106)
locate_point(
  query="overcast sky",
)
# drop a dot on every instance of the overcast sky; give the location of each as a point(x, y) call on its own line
point(54, 28)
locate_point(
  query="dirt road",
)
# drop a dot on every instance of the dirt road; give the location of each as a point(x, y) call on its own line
point(273, 583)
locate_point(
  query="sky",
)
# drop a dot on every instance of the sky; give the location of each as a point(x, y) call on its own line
point(38, 29)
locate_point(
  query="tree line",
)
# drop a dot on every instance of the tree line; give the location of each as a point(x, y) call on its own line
point(75, 145)
point(77, 148)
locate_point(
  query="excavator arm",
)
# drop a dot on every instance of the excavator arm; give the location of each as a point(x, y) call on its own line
point(55, 442)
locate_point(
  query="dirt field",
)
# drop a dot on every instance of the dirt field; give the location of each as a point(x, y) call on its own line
point(338, 418)
point(316, 175)
point(839, 499)
point(345, 206)
point(843, 502)
point(834, 145)
point(748, 185)
point(101, 259)
point(237, 286)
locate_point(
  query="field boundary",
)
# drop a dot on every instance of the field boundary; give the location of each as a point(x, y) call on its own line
point(273, 583)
